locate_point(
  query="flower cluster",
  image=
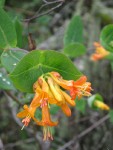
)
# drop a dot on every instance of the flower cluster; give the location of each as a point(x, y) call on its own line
point(50, 89)
point(100, 52)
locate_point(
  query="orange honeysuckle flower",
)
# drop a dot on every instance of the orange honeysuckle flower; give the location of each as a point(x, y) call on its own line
point(46, 121)
point(37, 101)
point(100, 52)
point(77, 88)
point(81, 88)
point(42, 99)
point(63, 99)
point(45, 87)
point(60, 81)
point(101, 105)
point(48, 90)
point(28, 113)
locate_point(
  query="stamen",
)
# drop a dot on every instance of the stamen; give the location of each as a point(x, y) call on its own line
point(47, 133)
point(22, 127)
point(26, 121)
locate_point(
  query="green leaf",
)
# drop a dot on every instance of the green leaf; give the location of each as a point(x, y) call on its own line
point(74, 32)
point(10, 58)
point(81, 105)
point(7, 31)
point(5, 82)
point(19, 30)
point(109, 57)
point(75, 50)
point(111, 115)
point(92, 99)
point(39, 62)
point(106, 37)
point(2, 2)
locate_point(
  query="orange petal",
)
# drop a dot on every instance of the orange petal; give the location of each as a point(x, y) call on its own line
point(66, 109)
point(73, 93)
point(36, 100)
point(63, 83)
point(68, 98)
point(36, 86)
point(52, 101)
point(80, 81)
point(96, 57)
point(22, 114)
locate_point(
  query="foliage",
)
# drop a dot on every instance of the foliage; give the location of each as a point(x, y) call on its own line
point(74, 50)
point(106, 37)
point(5, 82)
point(74, 32)
point(8, 37)
point(10, 58)
point(39, 62)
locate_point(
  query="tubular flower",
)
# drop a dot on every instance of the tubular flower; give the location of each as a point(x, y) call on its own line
point(46, 121)
point(28, 112)
point(77, 88)
point(101, 105)
point(81, 88)
point(63, 99)
point(41, 99)
point(100, 52)
point(49, 90)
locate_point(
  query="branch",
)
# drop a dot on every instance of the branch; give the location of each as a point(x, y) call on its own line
point(11, 145)
point(47, 12)
point(13, 97)
point(85, 132)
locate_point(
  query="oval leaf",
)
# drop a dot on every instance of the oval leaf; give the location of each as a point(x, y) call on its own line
point(74, 32)
point(10, 58)
point(19, 30)
point(39, 62)
point(7, 31)
point(75, 49)
point(5, 82)
point(106, 37)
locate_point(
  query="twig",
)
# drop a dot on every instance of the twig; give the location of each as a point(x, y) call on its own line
point(10, 145)
point(45, 13)
point(46, 4)
point(13, 97)
point(52, 2)
point(85, 132)
point(106, 136)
